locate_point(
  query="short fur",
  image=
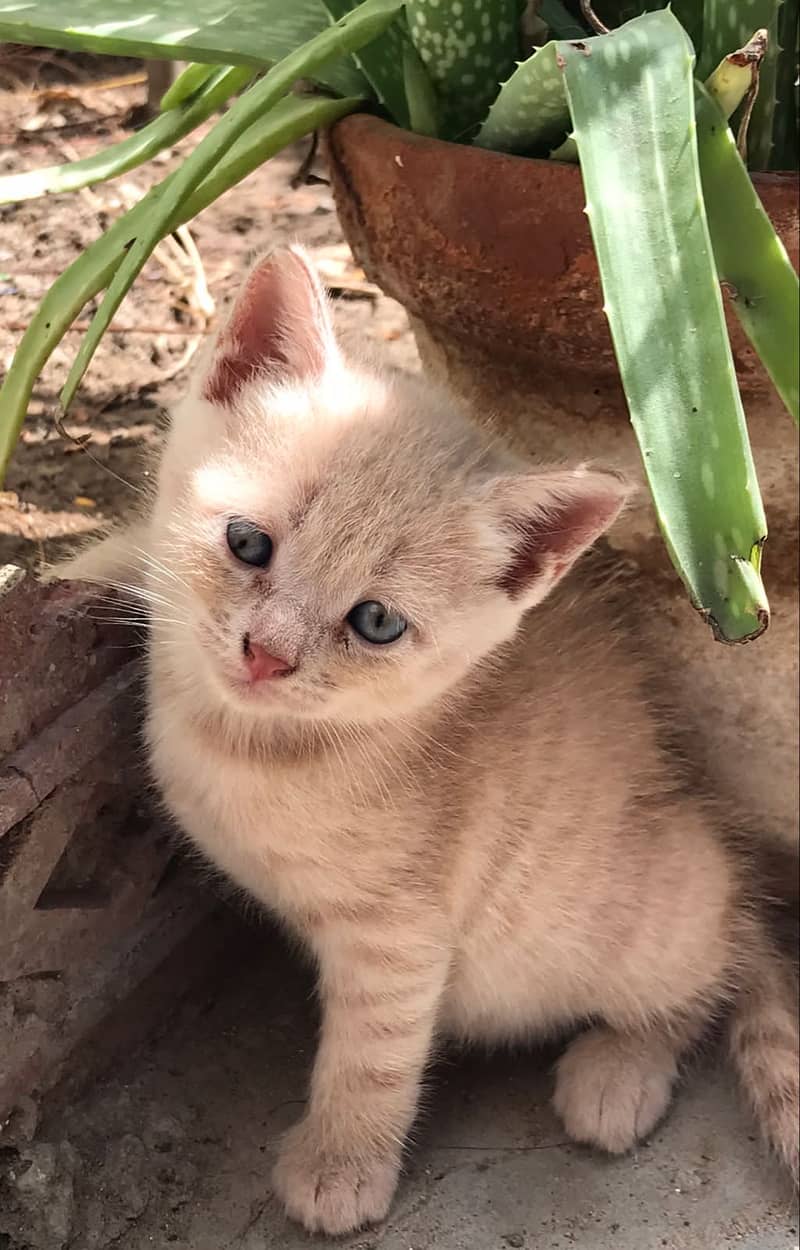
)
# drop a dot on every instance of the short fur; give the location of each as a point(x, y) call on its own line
point(475, 830)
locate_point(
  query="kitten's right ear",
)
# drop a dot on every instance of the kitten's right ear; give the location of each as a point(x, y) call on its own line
point(546, 521)
point(279, 326)
point(114, 559)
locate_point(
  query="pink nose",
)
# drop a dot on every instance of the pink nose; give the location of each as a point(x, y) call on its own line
point(260, 664)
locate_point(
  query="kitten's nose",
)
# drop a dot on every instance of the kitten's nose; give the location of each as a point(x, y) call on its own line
point(260, 664)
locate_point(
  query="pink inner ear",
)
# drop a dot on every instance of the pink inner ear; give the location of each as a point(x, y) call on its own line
point(278, 324)
point(550, 540)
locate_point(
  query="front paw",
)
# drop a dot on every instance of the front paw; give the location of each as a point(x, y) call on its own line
point(332, 1191)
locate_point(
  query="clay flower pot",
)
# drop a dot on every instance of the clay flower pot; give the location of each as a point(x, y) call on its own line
point(492, 257)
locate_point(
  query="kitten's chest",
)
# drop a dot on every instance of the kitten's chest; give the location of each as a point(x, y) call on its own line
point(294, 835)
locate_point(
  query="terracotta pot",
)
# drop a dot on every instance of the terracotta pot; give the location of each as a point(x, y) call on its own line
point(492, 257)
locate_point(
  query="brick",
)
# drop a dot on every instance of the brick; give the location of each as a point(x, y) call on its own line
point(54, 648)
point(87, 906)
point(80, 733)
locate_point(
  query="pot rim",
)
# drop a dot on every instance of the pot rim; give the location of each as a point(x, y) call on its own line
point(774, 177)
point(500, 259)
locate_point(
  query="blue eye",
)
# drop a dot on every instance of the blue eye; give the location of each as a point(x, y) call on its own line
point(249, 544)
point(374, 622)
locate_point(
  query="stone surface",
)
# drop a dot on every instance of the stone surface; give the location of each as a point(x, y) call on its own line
point(57, 645)
point(175, 1146)
point(87, 904)
point(41, 1182)
point(492, 257)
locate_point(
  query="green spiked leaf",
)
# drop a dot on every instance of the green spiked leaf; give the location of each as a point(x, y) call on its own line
point(381, 62)
point(689, 13)
point(786, 133)
point(351, 32)
point(188, 83)
point(468, 47)
point(750, 258)
point(530, 113)
point(249, 32)
point(728, 25)
point(640, 169)
point(423, 108)
point(559, 21)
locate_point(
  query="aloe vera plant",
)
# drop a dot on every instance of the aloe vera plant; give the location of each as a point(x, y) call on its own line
point(87, 277)
point(531, 110)
point(671, 207)
point(681, 386)
point(726, 26)
point(350, 32)
point(467, 49)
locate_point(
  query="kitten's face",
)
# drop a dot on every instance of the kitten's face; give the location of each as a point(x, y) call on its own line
point(343, 537)
point(336, 543)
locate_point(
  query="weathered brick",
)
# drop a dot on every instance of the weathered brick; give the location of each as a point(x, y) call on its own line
point(86, 910)
point(56, 644)
point(81, 732)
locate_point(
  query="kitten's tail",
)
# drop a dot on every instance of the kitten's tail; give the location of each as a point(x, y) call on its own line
point(765, 1043)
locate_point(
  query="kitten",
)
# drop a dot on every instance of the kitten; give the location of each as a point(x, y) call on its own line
point(376, 705)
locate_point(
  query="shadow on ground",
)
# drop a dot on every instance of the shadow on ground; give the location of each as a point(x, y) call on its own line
point(173, 1149)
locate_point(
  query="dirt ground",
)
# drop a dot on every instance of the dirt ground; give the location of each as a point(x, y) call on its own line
point(51, 112)
point(172, 1148)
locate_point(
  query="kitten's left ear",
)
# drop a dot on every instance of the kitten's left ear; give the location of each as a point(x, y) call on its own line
point(279, 325)
point(546, 521)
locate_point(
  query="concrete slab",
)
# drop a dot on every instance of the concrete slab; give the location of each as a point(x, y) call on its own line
point(174, 1148)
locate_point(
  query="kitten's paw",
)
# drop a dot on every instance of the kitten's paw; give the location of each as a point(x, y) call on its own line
point(612, 1089)
point(331, 1193)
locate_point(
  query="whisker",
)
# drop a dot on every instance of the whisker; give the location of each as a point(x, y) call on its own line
point(356, 743)
point(345, 774)
point(138, 592)
point(157, 566)
point(411, 732)
point(143, 622)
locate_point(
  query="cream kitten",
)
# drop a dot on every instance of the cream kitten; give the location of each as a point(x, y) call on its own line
point(362, 709)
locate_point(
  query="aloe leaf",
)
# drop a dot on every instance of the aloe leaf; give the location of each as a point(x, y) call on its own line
point(423, 110)
point(689, 13)
point(559, 21)
point(727, 25)
point(347, 35)
point(190, 80)
point(530, 111)
point(566, 152)
point(92, 271)
point(249, 32)
point(734, 76)
point(641, 176)
point(786, 152)
point(381, 62)
point(750, 258)
point(467, 48)
point(162, 132)
point(287, 122)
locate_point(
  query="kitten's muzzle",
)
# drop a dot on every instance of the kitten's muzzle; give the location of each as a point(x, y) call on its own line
point(260, 665)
